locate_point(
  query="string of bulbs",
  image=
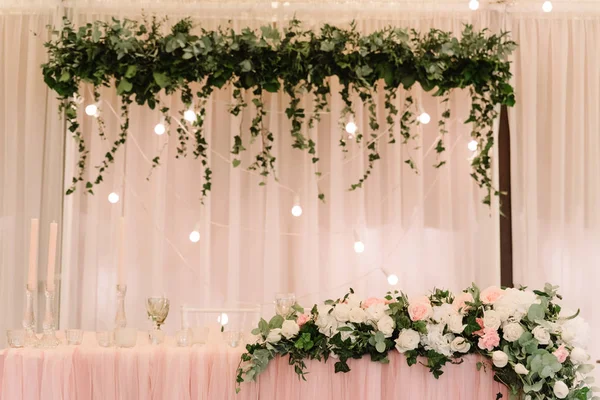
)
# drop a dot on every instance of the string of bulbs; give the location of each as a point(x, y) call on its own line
point(546, 5)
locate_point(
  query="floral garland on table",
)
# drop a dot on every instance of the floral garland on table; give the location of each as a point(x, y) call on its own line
point(142, 62)
point(535, 347)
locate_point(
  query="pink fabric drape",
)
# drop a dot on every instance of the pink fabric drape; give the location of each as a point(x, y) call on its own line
point(208, 372)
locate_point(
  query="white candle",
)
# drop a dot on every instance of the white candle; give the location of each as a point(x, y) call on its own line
point(33, 252)
point(121, 264)
point(51, 257)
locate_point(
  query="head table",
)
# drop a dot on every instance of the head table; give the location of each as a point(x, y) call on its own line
point(169, 372)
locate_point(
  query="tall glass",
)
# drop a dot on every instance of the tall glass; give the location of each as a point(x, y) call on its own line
point(158, 309)
point(284, 303)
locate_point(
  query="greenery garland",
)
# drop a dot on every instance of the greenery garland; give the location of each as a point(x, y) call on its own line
point(141, 61)
point(533, 346)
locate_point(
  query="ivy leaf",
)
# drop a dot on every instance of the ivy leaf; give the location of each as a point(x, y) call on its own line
point(236, 162)
point(161, 79)
point(124, 86)
point(327, 45)
point(131, 71)
point(96, 34)
point(246, 66)
point(65, 76)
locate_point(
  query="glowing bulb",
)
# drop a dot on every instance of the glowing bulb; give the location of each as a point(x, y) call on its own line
point(274, 4)
point(359, 246)
point(195, 236)
point(424, 118)
point(351, 128)
point(296, 211)
point(159, 129)
point(113, 198)
point(472, 145)
point(286, 4)
point(392, 279)
point(91, 109)
point(547, 6)
point(474, 4)
point(223, 319)
point(189, 115)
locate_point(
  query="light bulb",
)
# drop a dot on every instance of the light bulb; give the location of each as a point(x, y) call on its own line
point(91, 109)
point(286, 4)
point(351, 128)
point(159, 129)
point(223, 319)
point(392, 279)
point(472, 145)
point(359, 246)
point(474, 4)
point(547, 6)
point(296, 210)
point(424, 118)
point(113, 198)
point(195, 236)
point(189, 115)
point(274, 4)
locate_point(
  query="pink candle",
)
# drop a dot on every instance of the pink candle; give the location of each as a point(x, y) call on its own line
point(51, 257)
point(121, 263)
point(33, 252)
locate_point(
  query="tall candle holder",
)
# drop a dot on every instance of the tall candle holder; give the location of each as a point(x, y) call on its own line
point(49, 338)
point(120, 318)
point(31, 339)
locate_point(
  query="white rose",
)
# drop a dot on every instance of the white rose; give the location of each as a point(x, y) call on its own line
point(376, 311)
point(455, 324)
point(443, 313)
point(274, 335)
point(579, 356)
point(574, 332)
point(357, 315)
point(437, 341)
point(541, 334)
point(341, 312)
point(353, 300)
point(491, 319)
point(460, 345)
point(512, 331)
point(499, 358)
point(386, 325)
point(560, 389)
point(521, 370)
point(515, 303)
point(327, 324)
point(289, 329)
point(407, 340)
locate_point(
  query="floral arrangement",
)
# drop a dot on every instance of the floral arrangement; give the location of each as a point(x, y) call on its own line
point(142, 62)
point(536, 348)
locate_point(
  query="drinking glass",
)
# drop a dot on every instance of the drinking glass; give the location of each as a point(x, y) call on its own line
point(184, 337)
point(284, 303)
point(156, 336)
point(126, 337)
point(16, 338)
point(158, 309)
point(74, 336)
point(105, 338)
point(233, 338)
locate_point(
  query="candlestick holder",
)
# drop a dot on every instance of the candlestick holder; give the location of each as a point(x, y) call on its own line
point(120, 318)
point(31, 339)
point(49, 338)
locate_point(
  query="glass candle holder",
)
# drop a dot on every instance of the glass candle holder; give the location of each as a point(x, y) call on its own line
point(105, 338)
point(74, 336)
point(156, 337)
point(125, 337)
point(49, 339)
point(31, 339)
point(184, 338)
point(233, 338)
point(284, 303)
point(120, 318)
point(16, 338)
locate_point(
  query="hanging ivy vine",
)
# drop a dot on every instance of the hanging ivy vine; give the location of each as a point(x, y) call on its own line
point(142, 62)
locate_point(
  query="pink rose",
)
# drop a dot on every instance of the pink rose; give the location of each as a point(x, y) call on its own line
point(302, 319)
point(480, 323)
point(420, 309)
point(561, 353)
point(491, 294)
point(489, 340)
point(460, 301)
point(373, 300)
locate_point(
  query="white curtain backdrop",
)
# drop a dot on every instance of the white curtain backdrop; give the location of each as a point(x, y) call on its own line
point(555, 150)
point(429, 229)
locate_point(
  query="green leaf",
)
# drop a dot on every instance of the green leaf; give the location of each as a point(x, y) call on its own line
point(65, 76)
point(124, 86)
point(276, 322)
point(131, 71)
point(536, 312)
point(246, 66)
point(236, 162)
point(380, 347)
point(161, 79)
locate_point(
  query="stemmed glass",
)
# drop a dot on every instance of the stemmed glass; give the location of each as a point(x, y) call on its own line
point(284, 303)
point(158, 309)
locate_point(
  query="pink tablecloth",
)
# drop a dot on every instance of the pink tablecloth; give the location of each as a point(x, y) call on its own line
point(169, 373)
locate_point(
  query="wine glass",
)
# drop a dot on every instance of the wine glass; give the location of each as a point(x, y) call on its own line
point(284, 303)
point(158, 309)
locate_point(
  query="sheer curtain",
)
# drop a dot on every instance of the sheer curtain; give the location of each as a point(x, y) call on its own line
point(31, 155)
point(430, 228)
point(555, 150)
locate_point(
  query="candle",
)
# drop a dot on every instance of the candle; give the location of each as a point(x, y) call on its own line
point(121, 264)
point(51, 257)
point(33, 252)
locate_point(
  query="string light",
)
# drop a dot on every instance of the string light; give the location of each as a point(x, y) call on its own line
point(547, 6)
point(359, 247)
point(392, 279)
point(159, 129)
point(91, 110)
point(424, 118)
point(274, 4)
point(194, 236)
point(286, 4)
point(351, 128)
point(189, 115)
point(296, 209)
point(223, 319)
point(472, 145)
point(113, 198)
point(474, 4)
